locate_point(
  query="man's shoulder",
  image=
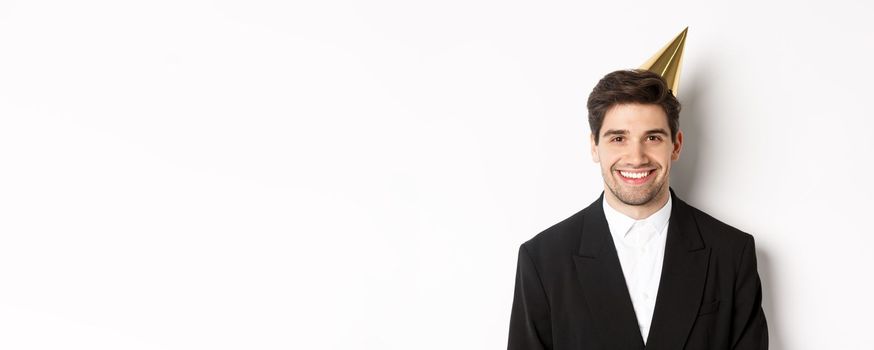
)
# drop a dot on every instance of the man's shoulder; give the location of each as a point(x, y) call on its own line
point(716, 232)
point(563, 236)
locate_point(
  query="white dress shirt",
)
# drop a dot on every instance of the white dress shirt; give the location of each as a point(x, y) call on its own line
point(640, 245)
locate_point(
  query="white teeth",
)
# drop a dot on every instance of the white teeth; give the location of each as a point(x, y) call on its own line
point(634, 175)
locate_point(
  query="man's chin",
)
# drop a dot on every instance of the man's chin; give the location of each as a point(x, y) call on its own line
point(634, 201)
point(635, 198)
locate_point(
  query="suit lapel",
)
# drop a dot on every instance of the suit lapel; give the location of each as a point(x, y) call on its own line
point(681, 287)
point(605, 290)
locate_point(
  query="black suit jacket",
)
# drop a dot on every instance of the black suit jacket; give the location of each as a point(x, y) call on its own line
point(571, 294)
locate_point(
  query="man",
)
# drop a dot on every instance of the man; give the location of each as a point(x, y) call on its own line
point(638, 268)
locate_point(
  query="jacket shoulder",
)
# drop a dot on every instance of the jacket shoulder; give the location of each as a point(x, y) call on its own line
point(718, 234)
point(562, 237)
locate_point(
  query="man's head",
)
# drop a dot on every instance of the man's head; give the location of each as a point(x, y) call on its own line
point(634, 119)
point(632, 86)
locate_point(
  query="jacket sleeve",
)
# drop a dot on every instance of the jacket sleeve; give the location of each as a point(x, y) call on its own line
point(749, 328)
point(530, 325)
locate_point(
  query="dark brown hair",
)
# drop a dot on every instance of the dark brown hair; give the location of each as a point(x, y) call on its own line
point(632, 86)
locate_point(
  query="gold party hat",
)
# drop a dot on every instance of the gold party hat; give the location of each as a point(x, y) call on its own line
point(667, 61)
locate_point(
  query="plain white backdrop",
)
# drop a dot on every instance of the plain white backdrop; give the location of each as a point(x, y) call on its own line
point(360, 174)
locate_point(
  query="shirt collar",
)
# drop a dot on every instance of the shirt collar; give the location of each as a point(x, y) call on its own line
point(620, 223)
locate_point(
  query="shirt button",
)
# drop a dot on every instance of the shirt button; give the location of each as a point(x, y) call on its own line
point(645, 296)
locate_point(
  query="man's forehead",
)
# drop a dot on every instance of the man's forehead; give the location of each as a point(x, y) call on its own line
point(635, 117)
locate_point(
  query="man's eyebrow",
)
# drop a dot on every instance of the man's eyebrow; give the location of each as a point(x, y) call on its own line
point(625, 132)
point(615, 132)
point(657, 131)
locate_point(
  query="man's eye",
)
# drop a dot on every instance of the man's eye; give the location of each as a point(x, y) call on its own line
point(616, 139)
point(654, 138)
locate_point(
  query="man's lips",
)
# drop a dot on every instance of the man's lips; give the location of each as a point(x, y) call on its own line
point(632, 180)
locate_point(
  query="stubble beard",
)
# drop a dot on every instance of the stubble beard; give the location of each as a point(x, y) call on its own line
point(636, 197)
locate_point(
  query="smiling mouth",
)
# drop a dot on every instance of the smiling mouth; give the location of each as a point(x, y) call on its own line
point(635, 174)
point(635, 177)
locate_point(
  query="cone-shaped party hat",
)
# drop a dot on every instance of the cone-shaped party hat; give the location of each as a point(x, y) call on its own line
point(667, 61)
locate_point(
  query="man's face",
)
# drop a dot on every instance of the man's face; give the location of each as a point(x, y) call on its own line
point(635, 152)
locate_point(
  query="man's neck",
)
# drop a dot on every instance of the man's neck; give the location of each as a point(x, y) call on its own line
point(637, 212)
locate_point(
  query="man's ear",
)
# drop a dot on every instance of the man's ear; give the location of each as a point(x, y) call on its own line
point(678, 146)
point(594, 150)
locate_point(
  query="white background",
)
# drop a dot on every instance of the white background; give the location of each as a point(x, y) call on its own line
point(360, 174)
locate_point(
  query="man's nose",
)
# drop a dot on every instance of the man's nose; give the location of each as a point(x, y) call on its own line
point(636, 155)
